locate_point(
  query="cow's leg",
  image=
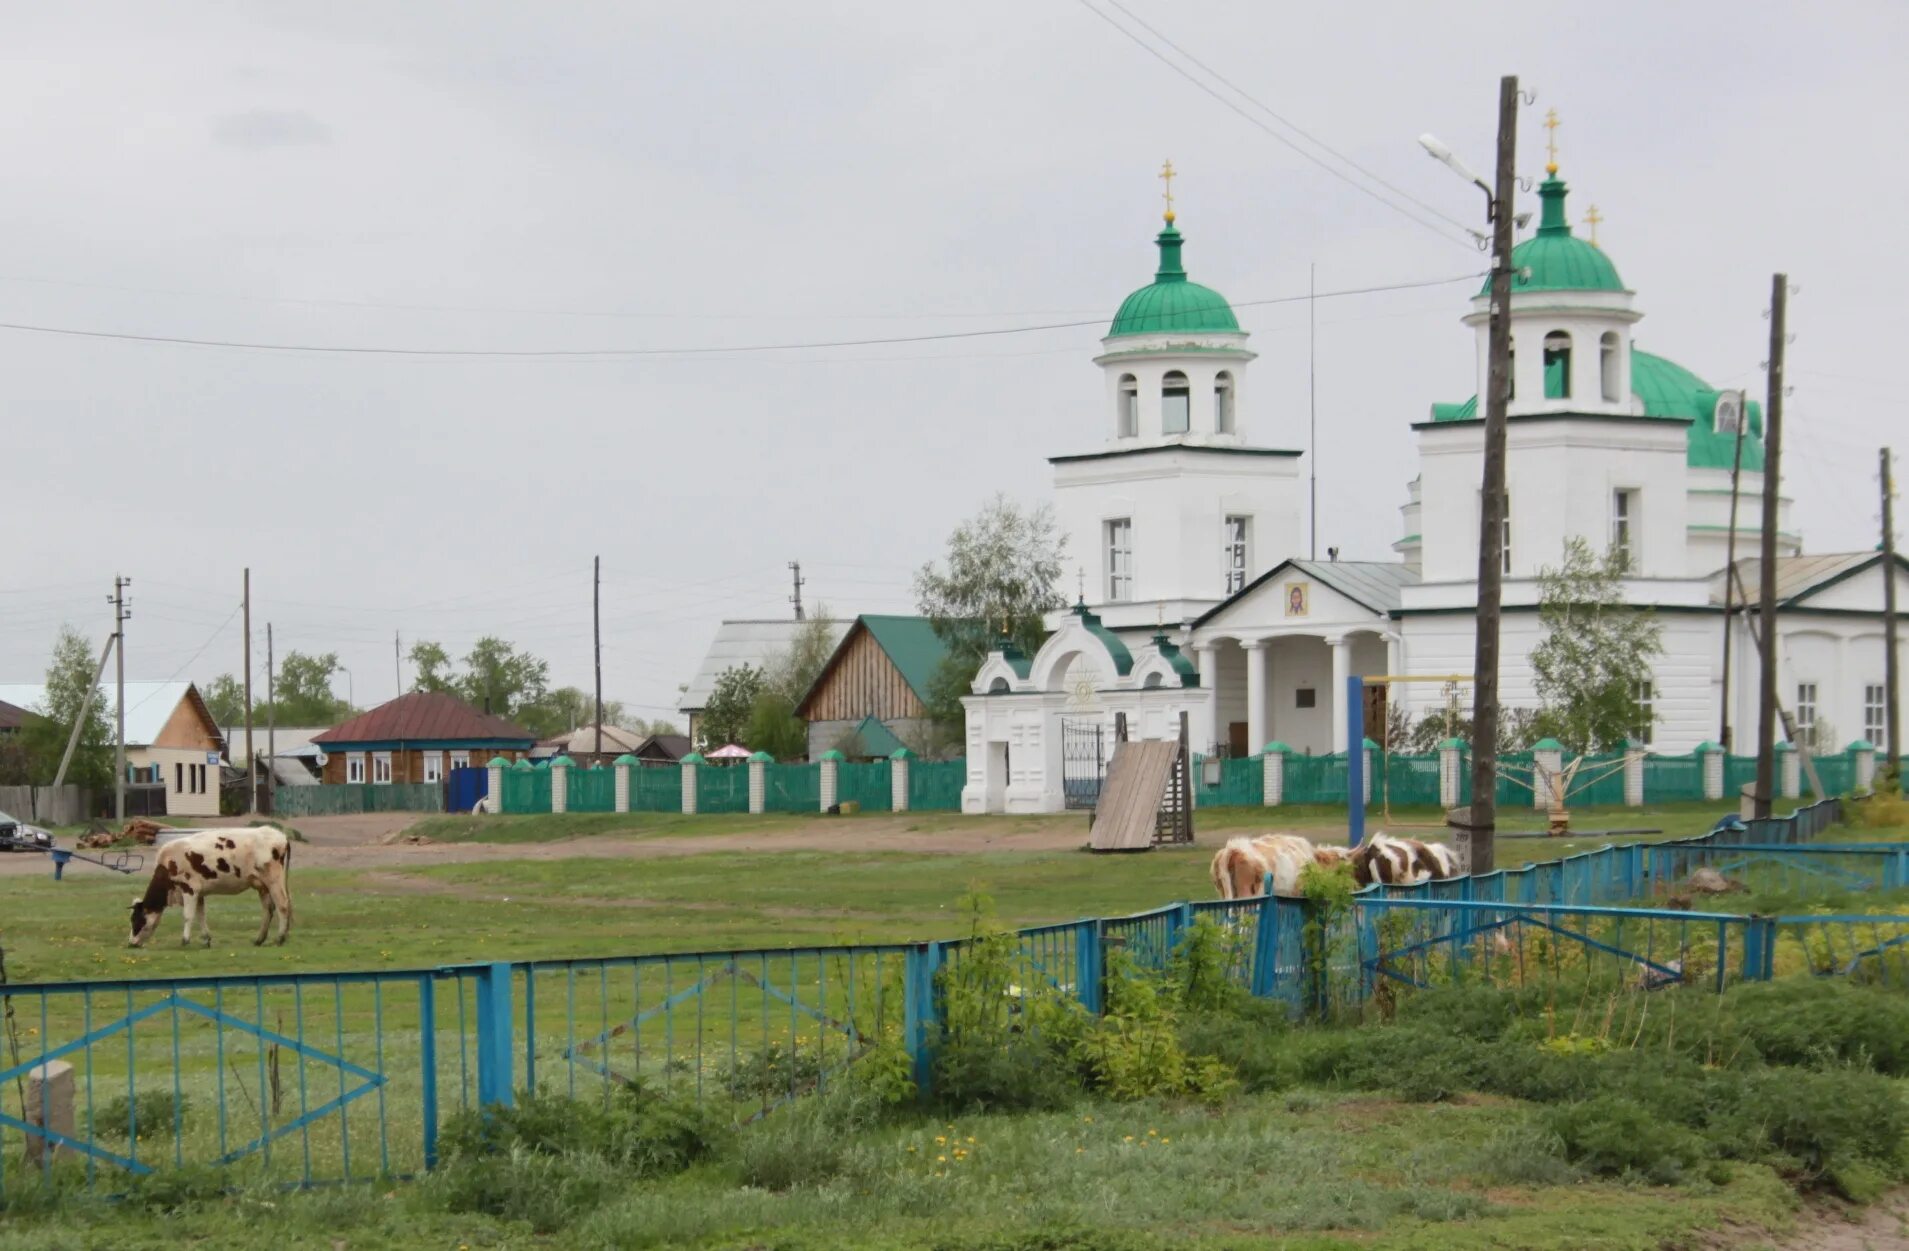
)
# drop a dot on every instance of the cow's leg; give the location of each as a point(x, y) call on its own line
point(205, 917)
point(187, 907)
point(282, 903)
point(265, 920)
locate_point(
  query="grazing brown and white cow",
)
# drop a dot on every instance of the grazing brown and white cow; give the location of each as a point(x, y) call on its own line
point(1401, 861)
point(1240, 868)
point(218, 862)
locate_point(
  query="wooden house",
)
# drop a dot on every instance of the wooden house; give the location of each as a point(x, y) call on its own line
point(873, 692)
point(417, 737)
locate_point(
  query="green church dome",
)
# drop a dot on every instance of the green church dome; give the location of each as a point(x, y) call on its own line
point(1556, 259)
point(1171, 303)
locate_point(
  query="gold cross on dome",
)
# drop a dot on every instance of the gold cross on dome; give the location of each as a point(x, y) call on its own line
point(1166, 177)
point(1591, 219)
point(1551, 125)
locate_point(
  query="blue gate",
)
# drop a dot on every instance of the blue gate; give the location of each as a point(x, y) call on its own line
point(467, 786)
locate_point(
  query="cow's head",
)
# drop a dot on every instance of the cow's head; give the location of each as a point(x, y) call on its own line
point(145, 917)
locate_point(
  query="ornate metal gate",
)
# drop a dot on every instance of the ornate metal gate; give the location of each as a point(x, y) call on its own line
point(1084, 752)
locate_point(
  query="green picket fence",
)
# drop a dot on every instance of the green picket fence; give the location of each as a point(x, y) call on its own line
point(792, 788)
point(866, 783)
point(1316, 779)
point(339, 800)
point(592, 790)
point(722, 788)
point(1406, 781)
point(1242, 783)
point(656, 788)
point(526, 790)
point(1671, 778)
point(936, 785)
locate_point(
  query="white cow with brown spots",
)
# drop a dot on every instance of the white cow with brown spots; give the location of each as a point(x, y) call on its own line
point(219, 862)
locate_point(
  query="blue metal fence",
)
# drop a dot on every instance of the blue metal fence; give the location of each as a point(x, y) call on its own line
point(320, 1077)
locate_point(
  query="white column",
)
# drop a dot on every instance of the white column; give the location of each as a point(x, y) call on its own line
point(1274, 777)
point(1450, 761)
point(1547, 766)
point(1258, 732)
point(1712, 756)
point(829, 779)
point(623, 767)
point(560, 787)
point(1634, 776)
point(898, 780)
point(49, 1105)
point(1341, 670)
point(1208, 658)
point(1395, 654)
point(495, 791)
point(758, 782)
point(1791, 768)
point(689, 766)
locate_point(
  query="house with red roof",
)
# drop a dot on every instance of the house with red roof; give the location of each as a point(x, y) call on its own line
point(417, 738)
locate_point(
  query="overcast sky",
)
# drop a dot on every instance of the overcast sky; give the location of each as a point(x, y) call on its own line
point(481, 176)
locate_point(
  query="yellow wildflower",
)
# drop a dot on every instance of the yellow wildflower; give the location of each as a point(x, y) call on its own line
point(1127, 1138)
point(941, 1159)
point(1153, 1133)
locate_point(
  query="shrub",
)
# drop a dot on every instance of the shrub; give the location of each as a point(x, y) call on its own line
point(1836, 1128)
point(774, 1071)
point(1808, 1022)
point(632, 1131)
point(1260, 1051)
point(546, 1192)
point(808, 1142)
point(1616, 1136)
point(169, 1190)
point(152, 1112)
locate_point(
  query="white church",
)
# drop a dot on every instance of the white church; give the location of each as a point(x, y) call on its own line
point(1179, 517)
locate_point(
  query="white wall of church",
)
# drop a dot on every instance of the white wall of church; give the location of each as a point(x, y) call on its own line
point(1202, 374)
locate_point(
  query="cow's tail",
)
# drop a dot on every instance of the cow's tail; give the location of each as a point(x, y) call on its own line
point(1221, 871)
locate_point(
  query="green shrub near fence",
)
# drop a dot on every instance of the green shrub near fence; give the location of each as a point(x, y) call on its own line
point(866, 783)
point(722, 788)
point(337, 800)
point(792, 788)
point(656, 788)
point(936, 785)
point(592, 790)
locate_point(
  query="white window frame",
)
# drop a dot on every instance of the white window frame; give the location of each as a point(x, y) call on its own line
point(460, 760)
point(1183, 399)
point(1119, 558)
point(381, 768)
point(1876, 714)
point(1236, 539)
point(433, 762)
point(1225, 413)
point(1624, 516)
point(1647, 707)
point(1127, 408)
point(1806, 697)
point(355, 768)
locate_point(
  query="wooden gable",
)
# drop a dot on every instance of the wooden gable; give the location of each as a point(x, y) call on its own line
point(190, 726)
point(860, 681)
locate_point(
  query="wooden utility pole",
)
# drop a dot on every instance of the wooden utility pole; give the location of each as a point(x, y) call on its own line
point(120, 613)
point(1730, 563)
point(1892, 700)
point(1480, 855)
point(596, 630)
point(271, 727)
point(397, 659)
point(251, 761)
point(1766, 595)
point(795, 568)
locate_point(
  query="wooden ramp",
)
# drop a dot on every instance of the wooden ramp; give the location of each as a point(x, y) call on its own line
point(1138, 777)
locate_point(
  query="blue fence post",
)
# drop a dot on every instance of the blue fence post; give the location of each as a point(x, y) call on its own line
point(1088, 963)
point(1354, 696)
point(494, 1035)
point(921, 963)
point(1759, 949)
point(1266, 948)
point(530, 1030)
point(1179, 921)
point(427, 1063)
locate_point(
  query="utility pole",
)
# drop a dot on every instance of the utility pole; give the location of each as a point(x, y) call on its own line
point(271, 726)
point(1480, 856)
point(1312, 409)
point(121, 611)
point(1766, 593)
point(795, 567)
point(1742, 410)
point(596, 631)
point(397, 659)
point(1892, 701)
point(251, 761)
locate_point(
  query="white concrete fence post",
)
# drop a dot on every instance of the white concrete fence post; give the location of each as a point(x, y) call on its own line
point(49, 1105)
point(759, 782)
point(560, 784)
point(830, 763)
point(1789, 768)
point(1451, 778)
point(494, 787)
point(1711, 758)
point(624, 764)
point(1371, 750)
point(1634, 775)
point(898, 767)
point(690, 764)
point(1272, 762)
point(1547, 764)
point(1864, 752)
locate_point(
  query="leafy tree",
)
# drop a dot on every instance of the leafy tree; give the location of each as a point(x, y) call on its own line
point(434, 669)
point(794, 670)
point(502, 680)
point(773, 727)
point(1596, 651)
point(16, 762)
point(225, 700)
point(44, 736)
point(1002, 574)
point(732, 701)
point(564, 709)
point(302, 690)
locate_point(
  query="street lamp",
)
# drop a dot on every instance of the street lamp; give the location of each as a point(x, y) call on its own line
point(1475, 834)
point(351, 697)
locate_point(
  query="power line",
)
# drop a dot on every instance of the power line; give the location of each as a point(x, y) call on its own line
point(1263, 107)
point(621, 353)
point(1167, 61)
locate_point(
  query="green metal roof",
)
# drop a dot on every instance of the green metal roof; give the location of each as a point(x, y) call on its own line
point(1557, 259)
point(1123, 659)
point(1171, 303)
point(912, 646)
point(877, 739)
point(1189, 672)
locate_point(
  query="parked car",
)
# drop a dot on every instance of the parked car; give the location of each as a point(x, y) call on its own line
point(17, 835)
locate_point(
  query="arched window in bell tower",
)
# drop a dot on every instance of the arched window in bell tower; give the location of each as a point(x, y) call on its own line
point(1127, 416)
point(1557, 366)
point(1176, 399)
point(1607, 365)
point(1223, 403)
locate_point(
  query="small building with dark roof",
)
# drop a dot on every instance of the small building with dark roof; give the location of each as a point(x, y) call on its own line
point(417, 738)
